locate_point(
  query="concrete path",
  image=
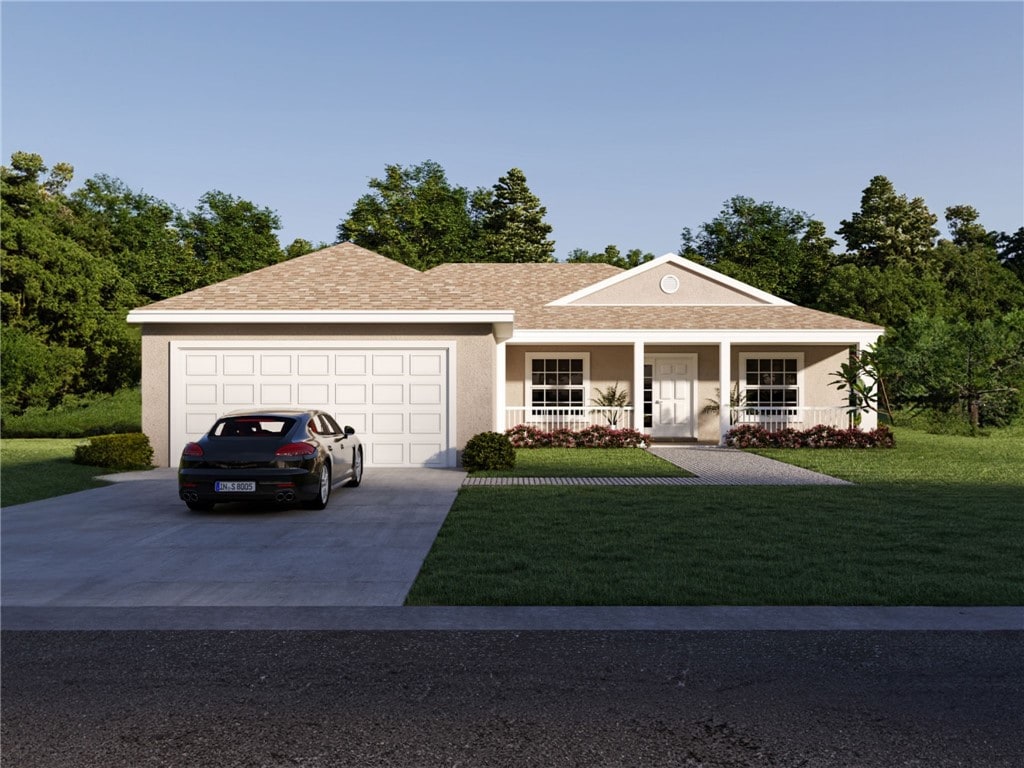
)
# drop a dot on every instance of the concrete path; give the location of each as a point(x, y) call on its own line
point(710, 465)
point(135, 544)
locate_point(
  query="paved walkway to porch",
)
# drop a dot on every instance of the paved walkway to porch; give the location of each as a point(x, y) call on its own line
point(711, 465)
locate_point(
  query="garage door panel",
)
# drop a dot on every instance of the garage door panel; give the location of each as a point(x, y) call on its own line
point(276, 365)
point(276, 394)
point(201, 365)
point(388, 365)
point(387, 454)
point(314, 394)
point(350, 394)
point(239, 365)
point(424, 394)
point(350, 365)
point(239, 394)
point(201, 394)
point(355, 420)
point(425, 424)
point(198, 422)
point(397, 399)
point(388, 394)
point(314, 365)
point(427, 454)
point(387, 424)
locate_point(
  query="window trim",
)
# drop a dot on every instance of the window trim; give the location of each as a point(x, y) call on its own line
point(533, 416)
point(741, 380)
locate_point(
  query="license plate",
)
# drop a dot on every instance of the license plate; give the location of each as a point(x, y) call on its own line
point(235, 486)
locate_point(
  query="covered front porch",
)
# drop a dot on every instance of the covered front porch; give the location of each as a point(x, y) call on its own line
point(671, 389)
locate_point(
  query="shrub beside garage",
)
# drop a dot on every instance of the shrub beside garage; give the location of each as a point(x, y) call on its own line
point(129, 450)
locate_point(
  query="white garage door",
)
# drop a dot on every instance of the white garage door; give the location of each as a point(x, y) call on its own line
point(398, 398)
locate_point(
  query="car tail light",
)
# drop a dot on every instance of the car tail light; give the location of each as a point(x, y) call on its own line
point(296, 449)
point(192, 449)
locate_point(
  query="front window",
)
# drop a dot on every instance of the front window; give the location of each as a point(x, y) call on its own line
point(772, 384)
point(557, 384)
point(252, 426)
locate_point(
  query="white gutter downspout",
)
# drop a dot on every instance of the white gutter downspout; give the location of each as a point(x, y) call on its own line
point(499, 387)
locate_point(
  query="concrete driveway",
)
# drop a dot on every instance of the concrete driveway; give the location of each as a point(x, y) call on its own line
point(135, 544)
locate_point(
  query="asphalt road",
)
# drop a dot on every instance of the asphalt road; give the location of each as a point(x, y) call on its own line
point(555, 698)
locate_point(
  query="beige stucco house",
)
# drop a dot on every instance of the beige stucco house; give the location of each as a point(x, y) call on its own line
point(418, 362)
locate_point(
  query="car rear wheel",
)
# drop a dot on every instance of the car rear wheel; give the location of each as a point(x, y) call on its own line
point(357, 467)
point(323, 493)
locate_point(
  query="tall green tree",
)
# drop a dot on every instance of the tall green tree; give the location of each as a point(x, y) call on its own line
point(975, 366)
point(58, 300)
point(1011, 251)
point(512, 223)
point(229, 236)
point(952, 310)
point(138, 233)
point(414, 216)
point(888, 228)
point(776, 249)
point(610, 255)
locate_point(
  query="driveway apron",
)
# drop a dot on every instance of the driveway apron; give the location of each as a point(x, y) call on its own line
point(135, 544)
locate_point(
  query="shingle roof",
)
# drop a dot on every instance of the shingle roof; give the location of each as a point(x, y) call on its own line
point(342, 276)
point(347, 277)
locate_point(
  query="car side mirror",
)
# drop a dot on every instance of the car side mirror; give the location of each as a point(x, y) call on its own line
point(349, 431)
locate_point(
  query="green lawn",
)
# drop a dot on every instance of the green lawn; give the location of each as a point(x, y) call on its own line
point(587, 462)
point(41, 468)
point(936, 521)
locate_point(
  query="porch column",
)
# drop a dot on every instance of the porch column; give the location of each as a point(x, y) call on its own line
point(499, 387)
point(638, 385)
point(724, 389)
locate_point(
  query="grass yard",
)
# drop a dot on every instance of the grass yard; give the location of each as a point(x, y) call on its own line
point(587, 462)
point(41, 468)
point(937, 521)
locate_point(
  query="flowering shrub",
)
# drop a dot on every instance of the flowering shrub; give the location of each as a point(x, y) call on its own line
point(527, 436)
point(820, 436)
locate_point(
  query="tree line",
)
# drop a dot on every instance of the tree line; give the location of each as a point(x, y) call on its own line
point(74, 264)
point(953, 308)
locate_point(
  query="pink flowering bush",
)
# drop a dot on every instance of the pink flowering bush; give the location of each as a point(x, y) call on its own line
point(528, 436)
point(820, 436)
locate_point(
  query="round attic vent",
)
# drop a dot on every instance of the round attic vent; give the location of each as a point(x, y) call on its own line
point(669, 284)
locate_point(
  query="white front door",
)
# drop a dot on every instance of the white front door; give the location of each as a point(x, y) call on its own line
point(673, 383)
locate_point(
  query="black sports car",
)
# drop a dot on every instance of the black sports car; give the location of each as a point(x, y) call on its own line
point(275, 455)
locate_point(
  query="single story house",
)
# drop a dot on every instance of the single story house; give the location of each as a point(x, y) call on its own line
point(419, 362)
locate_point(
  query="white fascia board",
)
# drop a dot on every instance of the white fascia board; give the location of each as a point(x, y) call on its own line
point(144, 317)
point(673, 258)
point(659, 336)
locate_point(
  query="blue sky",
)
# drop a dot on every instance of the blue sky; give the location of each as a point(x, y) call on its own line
point(631, 121)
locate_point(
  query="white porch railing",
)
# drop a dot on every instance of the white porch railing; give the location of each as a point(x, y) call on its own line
point(569, 418)
point(777, 419)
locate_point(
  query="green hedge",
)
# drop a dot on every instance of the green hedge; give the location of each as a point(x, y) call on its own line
point(488, 450)
point(83, 416)
point(125, 451)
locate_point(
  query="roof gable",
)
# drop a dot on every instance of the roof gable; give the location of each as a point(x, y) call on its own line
point(670, 281)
